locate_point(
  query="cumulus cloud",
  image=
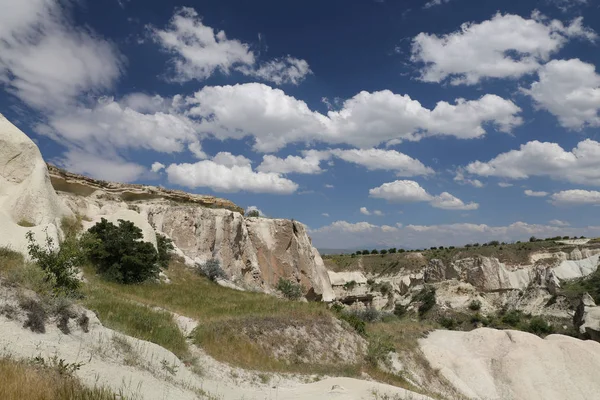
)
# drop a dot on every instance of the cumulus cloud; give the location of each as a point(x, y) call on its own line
point(309, 164)
point(532, 193)
point(343, 234)
point(410, 191)
point(365, 211)
point(198, 52)
point(276, 119)
point(461, 179)
point(157, 166)
point(325, 215)
point(228, 174)
point(570, 90)
point(558, 222)
point(390, 160)
point(46, 61)
point(505, 184)
point(580, 165)
point(576, 197)
point(506, 46)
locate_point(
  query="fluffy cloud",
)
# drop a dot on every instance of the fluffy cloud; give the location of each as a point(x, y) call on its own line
point(309, 164)
point(557, 222)
point(342, 234)
point(447, 201)
point(254, 208)
point(109, 169)
point(157, 166)
point(275, 119)
point(461, 179)
point(373, 159)
point(576, 197)
point(46, 61)
point(531, 193)
point(198, 51)
point(365, 211)
point(325, 215)
point(506, 46)
point(229, 160)
point(580, 165)
point(570, 90)
point(410, 191)
point(228, 178)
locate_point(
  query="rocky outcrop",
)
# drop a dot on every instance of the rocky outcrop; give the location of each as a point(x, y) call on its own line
point(512, 365)
point(82, 185)
point(253, 251)
point(587, 318)
point(27, 200)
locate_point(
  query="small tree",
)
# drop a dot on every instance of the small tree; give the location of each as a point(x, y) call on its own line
point(59, 264)
point(253, 213)
point(119, 253)
point(392, 250)
point(374, 251)
point(365, 252)
point(384, 251)
point(212, 269)
point(533, 239)
point(165, 250)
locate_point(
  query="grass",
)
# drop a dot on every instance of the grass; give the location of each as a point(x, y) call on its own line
point(21, 380)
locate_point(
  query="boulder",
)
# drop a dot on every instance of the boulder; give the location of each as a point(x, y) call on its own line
point(28, 201)
point(587, 318)
point(505, 365)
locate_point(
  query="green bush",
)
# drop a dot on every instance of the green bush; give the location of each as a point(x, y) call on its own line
point(253, 214)
point(59, 264)
point(399, 310)
point(427, 298)
point(355, 322)
point(119, 253)
point(448, 323)
point(379, 349)
point(165, 250)
point(291, 290)
point(512, 318)
point(350, 285)
point(539, 326)
point(475, 305)
point(212, 270)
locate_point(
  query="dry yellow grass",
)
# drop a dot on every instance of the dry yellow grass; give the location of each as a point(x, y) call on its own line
point(22, 381)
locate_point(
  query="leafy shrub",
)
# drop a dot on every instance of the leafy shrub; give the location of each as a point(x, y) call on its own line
point(378, 350)
point(119, 253)
point(165, 250)
point(369, 314)
point(212, 270)
point(350, 285)
point(253, 214)
point(59, 265)
point(399, 310)
point(427, 298)
point(356, 323)
point(448, 323)
point(374, 251)
point(512, 318)
point(539, 326)
point(383, 252)
point(475, 305)
point(291, 290)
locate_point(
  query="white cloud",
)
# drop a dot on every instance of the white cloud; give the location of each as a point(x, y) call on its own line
point(401, 192)
point(505, 184)
point(109, 169)
point(309, 164)
point(461, 179)
point(342, 234)
point(46, 61)
point(325, 215)
point(373, 159)
point(275, 119)
point(365, 211)
point(229, 160)
point(506, 46)
point(580, 165)
point(378, 213)
point(254, 208)
point(531, 193)
point(280, 71)
point(410, 191)
point(447, 201)
point(228, 178)
point(434, 3)
point(576, 197)
point(195, 147)
point(198, 52)
point(557, 222)
point(570, 90)
point(328, 186)
point(157, 166)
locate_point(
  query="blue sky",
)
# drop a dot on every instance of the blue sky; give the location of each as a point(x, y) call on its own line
point(375, 123)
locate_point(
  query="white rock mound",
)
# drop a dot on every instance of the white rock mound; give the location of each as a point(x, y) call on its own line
point(505, 365)
point(28, 201)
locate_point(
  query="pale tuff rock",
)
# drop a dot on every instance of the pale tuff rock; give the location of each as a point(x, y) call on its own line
point(26, 193)
point(587, 318)
point(512, 365)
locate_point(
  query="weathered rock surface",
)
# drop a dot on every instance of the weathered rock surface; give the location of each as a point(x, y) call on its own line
point(27, 200)
point(587, 318)
point(505, 365)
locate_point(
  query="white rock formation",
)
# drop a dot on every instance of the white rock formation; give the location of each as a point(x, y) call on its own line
point(489, 364)
point(26, 193)
point(587, 318)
